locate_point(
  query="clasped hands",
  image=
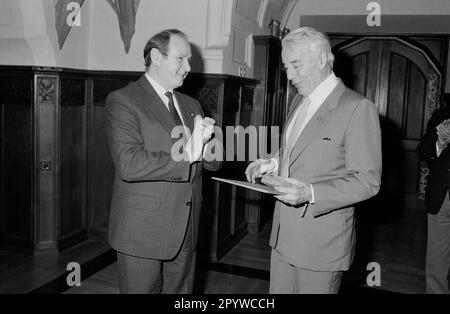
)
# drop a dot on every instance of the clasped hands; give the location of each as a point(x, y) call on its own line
point(443, 133)
point(294, 192)
point(203, 130)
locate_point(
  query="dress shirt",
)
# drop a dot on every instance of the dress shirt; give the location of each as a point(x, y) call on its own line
point(438, 150)
point(317, 97)
point(161, 93)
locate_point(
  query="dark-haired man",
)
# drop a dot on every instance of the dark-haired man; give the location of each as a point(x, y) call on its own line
point(157, 198)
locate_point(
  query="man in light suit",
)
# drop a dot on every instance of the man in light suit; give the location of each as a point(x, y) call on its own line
point(329, 160)
point(156, 200)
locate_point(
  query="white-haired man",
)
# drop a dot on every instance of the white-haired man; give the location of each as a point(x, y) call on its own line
point(330, 159)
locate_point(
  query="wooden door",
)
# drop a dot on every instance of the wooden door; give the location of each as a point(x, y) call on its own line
point(404, 82)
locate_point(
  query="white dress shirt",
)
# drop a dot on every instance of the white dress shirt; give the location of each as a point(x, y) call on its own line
point(439, 150)
point(161, 93)
point(317, 97)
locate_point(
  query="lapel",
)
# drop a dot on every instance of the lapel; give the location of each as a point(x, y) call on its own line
point(186, 112)
point(296, 101)
point(153, 105)
point(188, 116)
point(317, 122)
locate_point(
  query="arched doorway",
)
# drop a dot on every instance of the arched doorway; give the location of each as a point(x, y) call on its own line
point(404, 81)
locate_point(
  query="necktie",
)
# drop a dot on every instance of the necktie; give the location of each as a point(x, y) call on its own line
point(293, 135)
point(172, 110)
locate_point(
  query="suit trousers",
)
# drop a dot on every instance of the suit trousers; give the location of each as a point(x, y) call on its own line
point(438, 250)
point(286, 278)
point(152, 276)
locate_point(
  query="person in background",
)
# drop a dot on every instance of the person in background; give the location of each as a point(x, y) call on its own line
point(434, 149)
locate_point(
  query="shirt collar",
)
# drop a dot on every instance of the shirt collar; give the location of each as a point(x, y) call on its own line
point(158, 88)
point(321, 92)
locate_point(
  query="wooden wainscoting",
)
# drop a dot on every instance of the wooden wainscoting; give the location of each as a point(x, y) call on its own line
point(58, 174)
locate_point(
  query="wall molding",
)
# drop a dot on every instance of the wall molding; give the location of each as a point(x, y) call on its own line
point(287, 13)
point(218, 23)
point(218, 34)
point(262, 13)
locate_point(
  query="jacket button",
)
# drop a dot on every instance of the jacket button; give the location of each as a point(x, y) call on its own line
point(188, 204)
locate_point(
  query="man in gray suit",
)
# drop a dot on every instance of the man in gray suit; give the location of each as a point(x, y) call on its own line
point(330, 159)
point(156, 200)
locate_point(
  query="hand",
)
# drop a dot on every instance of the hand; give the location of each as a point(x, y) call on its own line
point(202, 133)
point(258, 168)
point(443, 133)
point(274, 181)
point(204, 128)
point(295, 194)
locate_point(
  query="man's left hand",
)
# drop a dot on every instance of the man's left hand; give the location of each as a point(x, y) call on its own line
point(295, 194)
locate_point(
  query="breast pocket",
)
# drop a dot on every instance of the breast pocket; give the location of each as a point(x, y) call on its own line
point(141, 202)
point(326, 154)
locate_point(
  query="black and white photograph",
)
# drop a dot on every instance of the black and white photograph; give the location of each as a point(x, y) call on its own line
point(225, 152)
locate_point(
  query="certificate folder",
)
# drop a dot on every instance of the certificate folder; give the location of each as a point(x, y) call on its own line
point(252, 186)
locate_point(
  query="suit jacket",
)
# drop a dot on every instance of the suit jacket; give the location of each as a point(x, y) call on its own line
point(339, 153)
point(153, 195)
point(439, 177)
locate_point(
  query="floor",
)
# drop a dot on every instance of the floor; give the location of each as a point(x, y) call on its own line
point(394, 240)
point(391, 234)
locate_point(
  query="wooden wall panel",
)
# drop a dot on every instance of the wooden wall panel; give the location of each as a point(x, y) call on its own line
point(17, 174)
point(73, 162)
point(416, 100)
point(16, 160)
point(229, 100)
point(397, 88)
point(101, 175)
point(69, 198)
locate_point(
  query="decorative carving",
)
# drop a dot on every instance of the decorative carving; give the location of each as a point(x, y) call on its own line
point(231, 98)
point(423, 176)
point(46, 90)
point(208, 96)
point(433, 90)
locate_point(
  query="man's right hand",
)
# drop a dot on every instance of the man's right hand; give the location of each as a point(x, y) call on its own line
point(258, 168)
point(203, 129)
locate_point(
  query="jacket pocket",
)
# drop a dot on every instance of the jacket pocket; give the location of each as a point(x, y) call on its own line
point(142, 202)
